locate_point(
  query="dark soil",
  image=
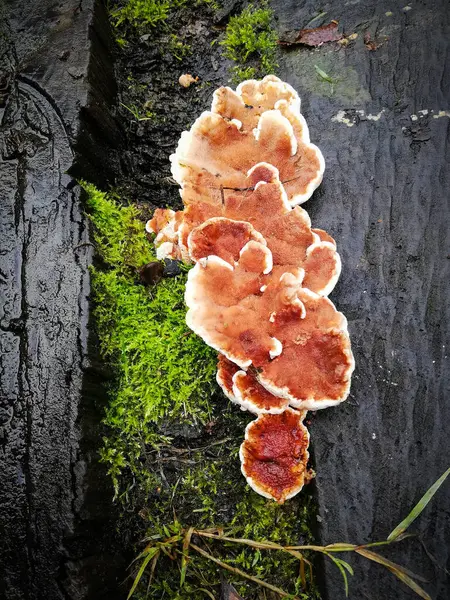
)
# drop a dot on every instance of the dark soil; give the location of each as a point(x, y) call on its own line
point(147, 71)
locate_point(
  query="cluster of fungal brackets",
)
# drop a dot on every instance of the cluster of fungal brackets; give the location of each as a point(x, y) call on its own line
point(258, 290)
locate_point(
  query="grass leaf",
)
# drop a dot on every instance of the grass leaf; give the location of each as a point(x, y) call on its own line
point(302, 573)
point(340, 547)
point(381, 560)
point(410, 583)
point(323, 75)
point(147, 559)
point(418, 508)
point(184, 558)
point(347, 566)
point(207, 592)
point(236, 571)
point(338, 562)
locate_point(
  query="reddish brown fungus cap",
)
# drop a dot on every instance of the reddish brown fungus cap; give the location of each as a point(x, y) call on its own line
point(225, 371)
point(243, 389)
point(296, 339)
point(251, 395)
point(223, 238)
point(224, 304)
point(224, 144)
point(263, 204)
point(252, 98)
point(274, 455)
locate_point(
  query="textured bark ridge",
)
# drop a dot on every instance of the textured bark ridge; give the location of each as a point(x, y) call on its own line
point(50, 517)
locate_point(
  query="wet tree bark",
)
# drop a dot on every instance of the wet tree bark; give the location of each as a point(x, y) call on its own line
point(383, 127)
point(52, 525)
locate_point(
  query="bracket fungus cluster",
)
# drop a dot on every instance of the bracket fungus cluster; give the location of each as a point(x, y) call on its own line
point(257, 292)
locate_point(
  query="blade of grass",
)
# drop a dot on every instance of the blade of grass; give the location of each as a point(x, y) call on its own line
point(401, 527)
point(207, 592)
point(340, 547)
point(339, 565)
point(388, 563)
point(410, 583)
point(142, 568)
point(236, 571)
point(259, 545)
point(152, 570)
point(302, 573)
point(323, 75)
point(184, 558)
point(433, 559)
point(347, 566)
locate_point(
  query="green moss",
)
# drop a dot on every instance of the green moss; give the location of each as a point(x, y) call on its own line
point(212, 495)
point(119, 235)
point(177, 48)
point(251, 43)
point(142, 14)
point(162, 370)
point(164, 378)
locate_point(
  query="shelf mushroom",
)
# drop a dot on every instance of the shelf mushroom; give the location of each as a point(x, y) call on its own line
point(258, 290)
point(243, 388)
point(286, 230)
point(295, 339)
point(259, 122)
point(274, 455)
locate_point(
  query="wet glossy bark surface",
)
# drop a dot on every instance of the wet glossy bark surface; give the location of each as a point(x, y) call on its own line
point(385, 199)
point(52, 519)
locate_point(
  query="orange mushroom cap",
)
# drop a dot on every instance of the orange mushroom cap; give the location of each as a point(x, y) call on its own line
point(243, 389)
point(263, 204)
point(224, 144)
point(221, 237)
point(274, 455)
point(225, 371)
point(296, 339)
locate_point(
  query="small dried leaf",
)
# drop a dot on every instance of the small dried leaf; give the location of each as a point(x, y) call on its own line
point(151, 273)
point(315, 37)
point(228, 592)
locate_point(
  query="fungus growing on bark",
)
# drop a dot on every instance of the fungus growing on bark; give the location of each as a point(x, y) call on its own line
point(225, 371)
point(257, 292)
point(287, 231)
point(296, 339)
point(223, 302)
point(187, 79)
point(165, 223)
point(223, 144)
point(274, 455)
point(243, 389)
point(251, 395)
point(223, 238)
